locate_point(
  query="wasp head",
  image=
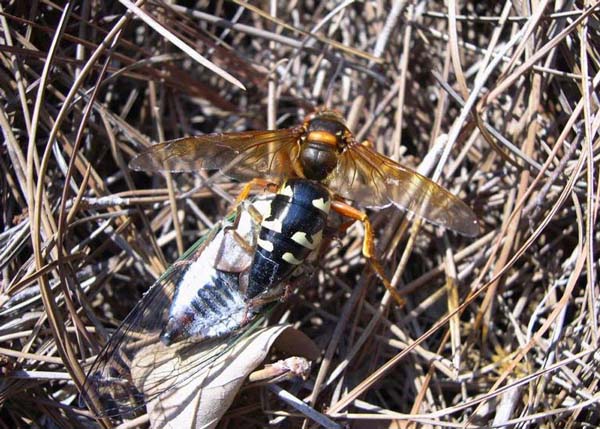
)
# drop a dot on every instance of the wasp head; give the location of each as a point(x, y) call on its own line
point(325, 139)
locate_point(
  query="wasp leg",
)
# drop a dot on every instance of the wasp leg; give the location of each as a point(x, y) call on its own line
point(256, 218)
point(260, 300)
point(256, 182)
point(266, 297)
point(368, 248)
point(243, 243)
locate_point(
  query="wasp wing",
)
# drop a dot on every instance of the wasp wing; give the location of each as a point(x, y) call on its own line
point(374, 180)
point(240, 155)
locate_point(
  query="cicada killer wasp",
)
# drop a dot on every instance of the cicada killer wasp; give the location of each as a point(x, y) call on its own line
point(316, 167)
point(216, 288)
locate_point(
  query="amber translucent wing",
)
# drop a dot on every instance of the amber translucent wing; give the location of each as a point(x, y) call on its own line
point(374, 180)
point(242, 156)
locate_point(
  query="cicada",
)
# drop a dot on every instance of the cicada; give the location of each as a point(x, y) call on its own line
point(201, 297)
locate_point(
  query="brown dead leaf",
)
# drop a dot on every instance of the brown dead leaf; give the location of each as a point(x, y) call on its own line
point(199, 398)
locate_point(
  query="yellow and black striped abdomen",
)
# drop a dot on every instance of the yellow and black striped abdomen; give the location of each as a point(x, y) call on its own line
point(289, 233)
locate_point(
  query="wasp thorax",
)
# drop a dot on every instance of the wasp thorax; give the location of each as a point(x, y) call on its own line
point(318, 160)
point(321, 147)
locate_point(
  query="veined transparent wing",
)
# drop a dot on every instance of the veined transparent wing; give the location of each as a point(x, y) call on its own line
point(374, 180)
point(240, 155)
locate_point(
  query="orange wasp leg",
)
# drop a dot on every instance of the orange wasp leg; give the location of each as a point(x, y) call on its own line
point(368, 248)
point(254, 183)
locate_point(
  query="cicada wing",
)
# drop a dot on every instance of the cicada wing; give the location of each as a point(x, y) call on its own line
point(240, 155)
point(109, 385)
point(374, 180)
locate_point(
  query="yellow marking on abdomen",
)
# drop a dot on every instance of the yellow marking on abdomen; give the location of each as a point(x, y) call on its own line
point(267, 245)
point(322, 205)
point(287, 191)
point(302, 239)
point(290, 259)
point(274, 225)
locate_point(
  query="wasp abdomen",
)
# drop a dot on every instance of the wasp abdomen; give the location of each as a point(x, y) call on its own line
point(290, 231)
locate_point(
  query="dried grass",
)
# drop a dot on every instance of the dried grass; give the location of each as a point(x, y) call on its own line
point(498, 331)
